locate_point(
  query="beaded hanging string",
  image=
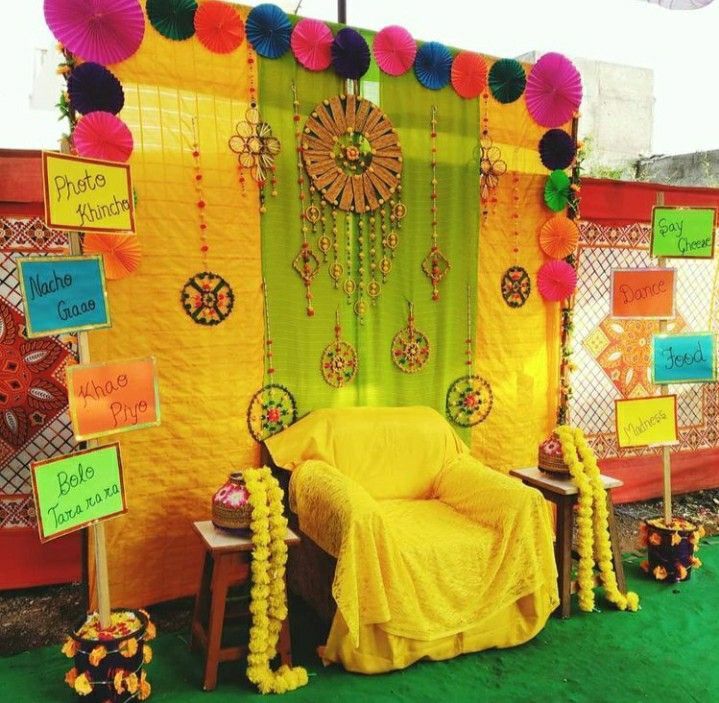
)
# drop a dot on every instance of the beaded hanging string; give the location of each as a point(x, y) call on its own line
point(374, 287)
point(254, 143)
point(360, 306)
point(206, 297)
point(349, 286)
point(272, 408)
point(306, 263)
point(469, 398)
point(491, 164)
point(338, 363)
point(410, 348)
point(435, 265)
point(516, 284)
point(335, 270)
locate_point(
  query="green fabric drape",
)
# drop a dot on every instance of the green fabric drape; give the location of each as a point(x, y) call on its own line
point(298, 340)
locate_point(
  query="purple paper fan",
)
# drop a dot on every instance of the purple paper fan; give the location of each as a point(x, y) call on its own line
point(93, 88)
point(350, 54)
point(557, 149)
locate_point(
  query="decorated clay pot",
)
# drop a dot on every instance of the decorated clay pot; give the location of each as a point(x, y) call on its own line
point(551, 459)
point(108, 664)
point(670, 549)
point(231, 509)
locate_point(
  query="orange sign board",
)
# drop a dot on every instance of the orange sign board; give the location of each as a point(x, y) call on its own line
point(113, 397)
point(643, 293)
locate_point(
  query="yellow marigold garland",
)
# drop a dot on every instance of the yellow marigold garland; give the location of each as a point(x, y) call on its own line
point(592, 523)
point(268, 600)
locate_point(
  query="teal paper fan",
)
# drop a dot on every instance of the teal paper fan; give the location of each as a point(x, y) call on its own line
point(507, 80)
point(174, 19)
point(557, 191)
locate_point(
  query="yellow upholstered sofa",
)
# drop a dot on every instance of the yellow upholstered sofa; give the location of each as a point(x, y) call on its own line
point(436, 554)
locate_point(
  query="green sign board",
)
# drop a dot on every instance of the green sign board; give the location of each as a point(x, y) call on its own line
point(683, 233)
point(76, 490)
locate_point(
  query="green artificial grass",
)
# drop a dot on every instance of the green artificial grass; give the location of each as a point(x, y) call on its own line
point(667, 651)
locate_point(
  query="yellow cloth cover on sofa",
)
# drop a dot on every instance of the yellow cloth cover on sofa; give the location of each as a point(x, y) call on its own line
point(458, 562)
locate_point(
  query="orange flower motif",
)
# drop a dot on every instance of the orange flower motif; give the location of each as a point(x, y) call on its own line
point(146, 654)
point(69, 649)
point(645, 566)
point(150, 632)
point(660, 573)
point(97, 655)
point(128, 648)
point(131, 683)
point(655, 538)
point(676, 539)
point(681, 572)
point(117, 680)
point(83, 685)
point(696, 562)
point(145, 688)
point(70, 677)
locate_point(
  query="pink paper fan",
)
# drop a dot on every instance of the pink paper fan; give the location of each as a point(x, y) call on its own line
point(101, 135)
point(556, 280)
point(311, 43)
point(554, 90)
point(394, 50)
point(104, 31)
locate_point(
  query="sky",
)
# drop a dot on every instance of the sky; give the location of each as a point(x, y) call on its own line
point(678, 45)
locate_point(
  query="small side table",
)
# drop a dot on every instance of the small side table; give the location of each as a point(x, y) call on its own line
point(565, 495)
point(226, 564)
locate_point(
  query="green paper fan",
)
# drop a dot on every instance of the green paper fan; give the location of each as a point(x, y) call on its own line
point(507, 80)
point(174, 19)
point(557, 190)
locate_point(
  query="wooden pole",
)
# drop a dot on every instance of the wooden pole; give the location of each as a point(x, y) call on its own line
point(102, 583)
point(664, 390)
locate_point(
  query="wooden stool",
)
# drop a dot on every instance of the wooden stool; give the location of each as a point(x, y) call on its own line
point(227, 564)
point(564, 494)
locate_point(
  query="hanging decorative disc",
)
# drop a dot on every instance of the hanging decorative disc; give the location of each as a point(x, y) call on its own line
point(352, 154)
point(255, 145)
point(516, 286)
point(207, 298)
point(339, 363)
point(271, 410)
point(410, 347)
point(469, 400)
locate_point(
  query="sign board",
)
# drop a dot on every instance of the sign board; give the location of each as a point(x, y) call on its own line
point(643, 422)
point(87, 195)
point(683, 358)
point(63, 294)
point(113, 397)
point(643, 293)
point(75, 490)
point(683, 233)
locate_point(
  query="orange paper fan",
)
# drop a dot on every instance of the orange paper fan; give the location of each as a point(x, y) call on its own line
point(120, 253)
point(558, 236)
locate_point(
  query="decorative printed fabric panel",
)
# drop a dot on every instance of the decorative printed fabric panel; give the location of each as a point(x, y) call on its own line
point(613, 356)
point(34, 422)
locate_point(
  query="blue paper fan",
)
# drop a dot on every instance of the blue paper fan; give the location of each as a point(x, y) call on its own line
point(350, 54)
point(268, 29)
point(433, 65)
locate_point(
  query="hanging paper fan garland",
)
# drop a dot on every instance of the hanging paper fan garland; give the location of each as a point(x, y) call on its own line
point(433, 65)
point(93, 87)
point(350, 54)
point(394, 50)
point(104, 31)
point(469, 74)
point(507, 80)
point(557, 149)
point(556, 191)
point(558, 236)
point(219, 27)
point(101, 135)
point(556, 280)
point(268, 30)
point(554, 90)
point(311, 43)
point(174, 19)
point(121, 254)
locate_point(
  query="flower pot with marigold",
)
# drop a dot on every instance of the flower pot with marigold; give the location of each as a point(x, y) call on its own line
point(671, 549)
point(231, 509)
point(108, 662)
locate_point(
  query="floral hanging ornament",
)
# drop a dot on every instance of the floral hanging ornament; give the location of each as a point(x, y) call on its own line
point(435, 265)
point(410, 347)
point(339, 359)
point(469, 398)
point(272, 408)
point(491, 167)
point(516, 286)
point(207, 298)
point(256, 148)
